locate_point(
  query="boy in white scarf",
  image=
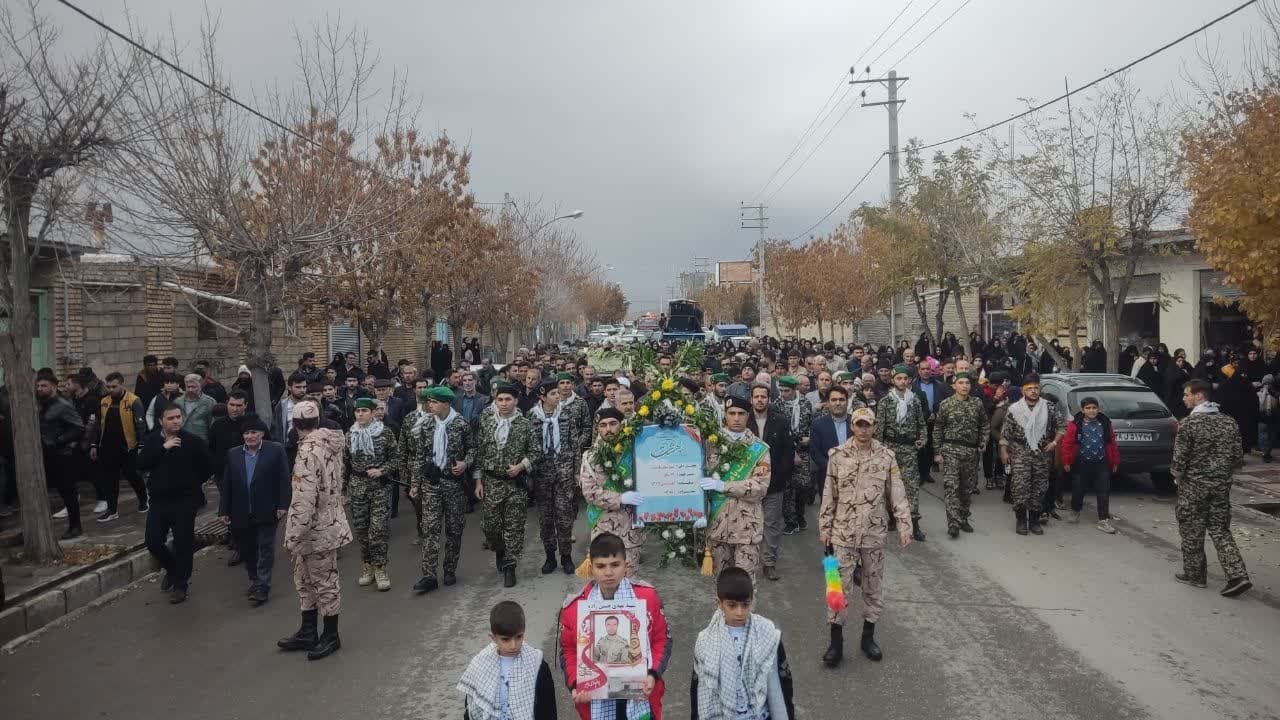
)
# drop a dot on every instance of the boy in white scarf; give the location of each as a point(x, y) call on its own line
point(740, 669)
point(371, 460)
point(507, 680)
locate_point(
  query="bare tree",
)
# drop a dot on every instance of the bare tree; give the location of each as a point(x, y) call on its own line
point(58, 115)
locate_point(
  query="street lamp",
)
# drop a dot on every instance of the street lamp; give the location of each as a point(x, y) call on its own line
point(571, 216)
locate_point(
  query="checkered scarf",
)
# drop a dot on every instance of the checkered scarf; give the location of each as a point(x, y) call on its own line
point(730, 677)
point(479, 684)
point(607, 709)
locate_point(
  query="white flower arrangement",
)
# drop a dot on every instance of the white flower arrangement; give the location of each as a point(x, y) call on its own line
point(666, 534)
point(629, 483)
point(671, 555)
point(608, 464)
point(724, 466)
point(684, 549)
point(679, 533)
point(715, 475)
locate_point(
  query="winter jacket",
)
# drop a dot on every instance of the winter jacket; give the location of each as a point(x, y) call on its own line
point(176, 473)
point(60, 425)
point(317, 520)
point(1069, 449)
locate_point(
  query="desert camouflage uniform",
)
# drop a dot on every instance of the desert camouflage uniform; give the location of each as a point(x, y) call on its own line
point(959, 433)
point(734, 535)
point(901, 438)
point(617, 518)
point(796, 495)
point(317, 523)
point(410, 458)
point(506, 499)
point(370, 501)
point(442, 494)
point(553, 481)
point(1029, 476)
point(852, 519)
point(1205, 453)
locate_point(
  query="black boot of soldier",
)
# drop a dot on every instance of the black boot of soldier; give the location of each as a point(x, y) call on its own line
point(917, 532)
point(869, 646)
point(329, 641)
point(835, 651)
point(550, 565)
point(305, 638)
point(1021, 527)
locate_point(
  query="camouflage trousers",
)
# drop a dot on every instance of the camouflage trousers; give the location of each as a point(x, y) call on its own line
point(909, 466)
point(1029, 478)
point(872, 562)
point(1203, 509)
point(370, 507)
point(444, 510)
point(960, 466)
point(796, 496)
point(727, 555)
point(316, 578)
point(556, 492)
point(504, 505)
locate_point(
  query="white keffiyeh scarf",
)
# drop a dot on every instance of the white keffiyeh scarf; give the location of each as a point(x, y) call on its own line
point(904, 400)
point(733, 677)
point(1205, 407)
point(737, 436)
point(417, 420)
point(607, 709)
point(479, 684)
point(717, 407)
point(794, 406)
point(361, 438)
point(1033, 421)
point(502, 428)
point(550, 428)
point(440, 441)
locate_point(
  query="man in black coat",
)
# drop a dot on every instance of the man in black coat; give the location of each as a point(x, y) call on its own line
point(179, 464)
point(61, 431)
point(931, 392)
point(255, 495)
point(774, 429)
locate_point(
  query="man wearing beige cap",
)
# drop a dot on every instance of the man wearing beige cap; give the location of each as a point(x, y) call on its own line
point(851, 524)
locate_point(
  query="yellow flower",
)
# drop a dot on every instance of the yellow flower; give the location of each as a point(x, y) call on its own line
point(656, 395)
point(626, 430)
point(668, 384)
point(617, 448)
point(643, 411)
point(712, 439)
point(690, 409)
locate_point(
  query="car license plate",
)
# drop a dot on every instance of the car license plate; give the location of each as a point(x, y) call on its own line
point(1135, 437)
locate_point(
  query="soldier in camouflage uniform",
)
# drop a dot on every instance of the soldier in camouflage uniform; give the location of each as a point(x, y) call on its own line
point(505, 452)
point(1028, 440)
point(371, 463)
point(738, 528)
point(411, 455)
point(553, 472)
point(618, 509)
point(575, 422)
point(960, 430)
point(1206, 452)
point(438, 483)
point(799, 414)
point(902, 426)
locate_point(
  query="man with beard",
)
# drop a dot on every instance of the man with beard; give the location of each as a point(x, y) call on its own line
point(1027, 442)
point(116, 433)
point(60, 432)
point(714, 401)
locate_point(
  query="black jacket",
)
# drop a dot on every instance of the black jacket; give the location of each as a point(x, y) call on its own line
point(61, 428)
point(782, 449)
point(224, 434)
point(266, 492)
point(176, 473)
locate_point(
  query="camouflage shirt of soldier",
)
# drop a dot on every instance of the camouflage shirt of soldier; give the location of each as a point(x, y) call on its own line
point(575, 424)
point(567, 452)
point(1206, 449)
point(913, 427)
point(383, 454)
point(965, 420)
point(799, 415)
point(740, 520)
point(458, 448)
point(494, 456)
point(1015, 436)
point(410, 448)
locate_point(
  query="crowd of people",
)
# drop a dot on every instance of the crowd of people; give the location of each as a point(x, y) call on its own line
point(853, 430)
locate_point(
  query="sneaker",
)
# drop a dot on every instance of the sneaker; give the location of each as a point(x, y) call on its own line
point(61, 514)
point(143, 508)
point(100, 507)
point(108, 516)
point(72, 533)
point(1105, 526)
point(1074, 517)
point(790, 530)
point(1236, 587)
point(5, 511)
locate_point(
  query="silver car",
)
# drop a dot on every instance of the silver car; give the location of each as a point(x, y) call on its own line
point(1143, 425)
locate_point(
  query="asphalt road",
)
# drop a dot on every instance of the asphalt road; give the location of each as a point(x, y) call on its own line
point(1074, 624)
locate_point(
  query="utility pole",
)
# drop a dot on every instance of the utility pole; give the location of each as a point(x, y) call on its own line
point(759, 222)
point(892, 104)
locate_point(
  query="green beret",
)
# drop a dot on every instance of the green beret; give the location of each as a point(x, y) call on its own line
point(500, 388)
point(439, 393)
point(963, 375)
point(788, 381)
point(720, 378)
point(366, 403)
point(564, 376)
point(842, 376)
point(901, 369)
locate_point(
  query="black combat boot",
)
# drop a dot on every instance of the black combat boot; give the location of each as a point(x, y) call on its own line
point(425, 585)
point(869, 646)
point(329, 641)
point(965, 526)
point(1033, 523)
point(566, 564)
point(305, 638)
point(835, 651)
point(497, 560)
point(509, 577)
point(549, 566)
point(917, 532)
point(1021, 527)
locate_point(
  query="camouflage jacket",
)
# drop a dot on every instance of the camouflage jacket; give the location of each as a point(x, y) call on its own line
point(852, 512)
point(385, 456)
point(912, 429)
point(1013, 434)
point(965, 421)
point(783, 408)
point(317, 521)
point(458, 448)
point(740, 520)
point(568, 453)
point(576, 425)
point(617, 518)
point(519, 449)
point(410, 447)
point(1206, 450)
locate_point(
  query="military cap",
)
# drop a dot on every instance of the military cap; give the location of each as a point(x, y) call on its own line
point(564, 376)
point(720, 378)
point(439, 393)
point(789, 381)
point(865, 415)
point(366, 403)
point(503, 388)
point(733, 401)
point(901, 369)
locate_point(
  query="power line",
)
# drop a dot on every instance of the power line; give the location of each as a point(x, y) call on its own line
point(931, 32)
point(844, 199)
point(904, 32)
point(813, 150)
point(1104, 78)
point(882, 33)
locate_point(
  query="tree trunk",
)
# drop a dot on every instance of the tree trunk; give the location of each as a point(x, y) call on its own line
point(1076, 356)
point(455, 334)
point(937, 317)
point(923, 313)
point(821, 339)
point(960, 313)
point(1111, 318)
point(430, 328)
point(1057, 356)
point(261, 334)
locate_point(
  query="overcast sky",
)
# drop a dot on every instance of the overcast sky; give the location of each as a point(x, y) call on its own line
point(658, 118)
